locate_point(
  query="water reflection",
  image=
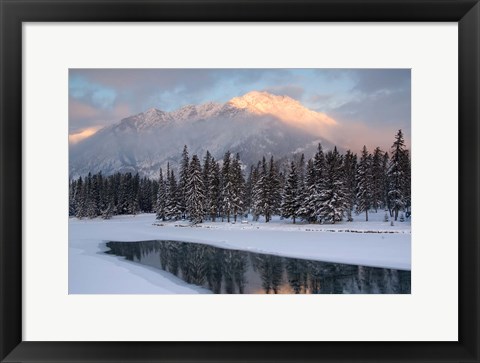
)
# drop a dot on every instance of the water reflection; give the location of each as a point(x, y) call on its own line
point(226, 271)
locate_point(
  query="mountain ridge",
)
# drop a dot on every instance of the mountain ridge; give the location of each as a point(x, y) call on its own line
point(255, 124)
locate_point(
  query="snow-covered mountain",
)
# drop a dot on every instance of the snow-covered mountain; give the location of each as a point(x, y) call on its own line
point(253, 125)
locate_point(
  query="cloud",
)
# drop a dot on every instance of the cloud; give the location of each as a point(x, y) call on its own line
point(377, 108)
point(372, 80)
point(83, 115)
point(74, 138)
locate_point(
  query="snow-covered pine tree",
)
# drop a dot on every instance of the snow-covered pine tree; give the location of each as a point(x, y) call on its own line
point(281, 181)
point(227, 186)
point(207, 166)
point(301, 183)
point(254, 192)
point(145, 197)
point(154, 195)
point(301, 169)
point(72, 185)
point(248, 190)
point(238, 187)
point(112, 193)
point(102, 198)
point(161, 204)
point(182, 182)
point(134, 205)
point(91, 193)
point(307, 206)
point(397, 175)
point(332, 195)
point(313, 200)
point(124, 181)
point(172, 210)
point(97, 192)
point(80, 211)
point(407, 171)
point(260, 193)
point(214, 189)
point(385, 165)
point(364, 183)
point(108, 195)
point(290, 203)
point(195, 192)
point(273, 191)
point(378, 179)
point(350, 170)
point(108, 212)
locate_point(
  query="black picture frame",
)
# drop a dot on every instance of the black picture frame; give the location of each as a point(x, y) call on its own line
point(14, 12)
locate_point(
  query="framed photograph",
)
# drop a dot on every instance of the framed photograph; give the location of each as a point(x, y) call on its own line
point(254, 181)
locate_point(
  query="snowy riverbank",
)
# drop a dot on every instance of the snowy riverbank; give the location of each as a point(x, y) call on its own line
point(373, 243)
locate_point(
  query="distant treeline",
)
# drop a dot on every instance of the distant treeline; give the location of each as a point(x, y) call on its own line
point(327, 188)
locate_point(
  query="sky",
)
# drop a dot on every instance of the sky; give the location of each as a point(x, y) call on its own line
point(369, 104)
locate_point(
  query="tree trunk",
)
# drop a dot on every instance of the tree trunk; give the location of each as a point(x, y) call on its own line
point(293, 219)
point(366, 215)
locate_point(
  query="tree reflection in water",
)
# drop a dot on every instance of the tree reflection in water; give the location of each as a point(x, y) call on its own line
point(239, 272)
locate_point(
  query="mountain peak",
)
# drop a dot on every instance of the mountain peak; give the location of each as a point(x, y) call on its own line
point(259, 100)
point(284, 108)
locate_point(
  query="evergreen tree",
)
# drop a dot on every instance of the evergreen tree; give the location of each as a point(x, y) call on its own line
point(332, 195)
point(315, 175)
point(215, 192)
point(248, 190)
point(134, 194)
point(172, 211)
point(207, 170)
point(308, 206)
point(80, 202)
point(385, 165)
point(227, 186)
point(406, 165)
point(273, 192)
point(195, 192)
point(260, 192)
point(183, 181)
point(238, 184)
point(397, 175)
point(378, 179)
point(290, 204)
point(123, 192)
point(161, 198)
point(145, 199)
point(108, 212)
point(255, 193)
point(301, 184)
point(108, 194)
point(364, 183)
point(350, 170)
point(91, 194)
point(72, 186)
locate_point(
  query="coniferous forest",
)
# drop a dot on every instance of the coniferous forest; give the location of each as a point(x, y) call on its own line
point(327, 188)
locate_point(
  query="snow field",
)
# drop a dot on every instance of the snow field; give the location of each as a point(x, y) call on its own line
point(91, 271)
